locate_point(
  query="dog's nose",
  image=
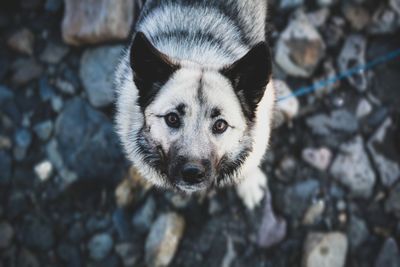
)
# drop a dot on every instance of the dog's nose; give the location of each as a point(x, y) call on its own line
point(193, 173)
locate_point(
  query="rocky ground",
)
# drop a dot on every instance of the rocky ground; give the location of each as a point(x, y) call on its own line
point(333, 166)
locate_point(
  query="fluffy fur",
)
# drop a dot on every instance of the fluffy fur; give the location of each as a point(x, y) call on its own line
point(200, 60)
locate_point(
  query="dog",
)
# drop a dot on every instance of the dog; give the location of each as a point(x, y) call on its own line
point(195, 96)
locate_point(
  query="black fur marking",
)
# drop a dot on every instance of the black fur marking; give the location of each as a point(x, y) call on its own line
point(151, 69)
point(215, 112)
point(229, 167)
point(249, 77)
point(181, 109)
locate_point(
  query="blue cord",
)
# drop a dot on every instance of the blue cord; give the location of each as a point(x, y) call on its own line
point(341, 76)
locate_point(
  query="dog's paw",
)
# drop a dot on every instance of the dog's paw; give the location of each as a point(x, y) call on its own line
point(251, 190)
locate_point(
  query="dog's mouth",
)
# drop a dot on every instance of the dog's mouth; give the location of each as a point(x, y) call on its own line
point(192, 188)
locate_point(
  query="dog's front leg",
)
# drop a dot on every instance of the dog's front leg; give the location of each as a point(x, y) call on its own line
point(252, 188)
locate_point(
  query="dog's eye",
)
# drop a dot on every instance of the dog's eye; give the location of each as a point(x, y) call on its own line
point(172, 120)
point(220, 126)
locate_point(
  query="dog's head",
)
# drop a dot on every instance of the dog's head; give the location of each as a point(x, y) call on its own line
point(192, 125)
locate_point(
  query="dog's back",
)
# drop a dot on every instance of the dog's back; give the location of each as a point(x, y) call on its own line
point(204, 31)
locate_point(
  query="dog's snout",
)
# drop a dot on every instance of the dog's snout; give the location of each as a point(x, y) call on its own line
point(193, 173)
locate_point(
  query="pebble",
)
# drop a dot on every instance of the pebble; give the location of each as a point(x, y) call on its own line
point(353, 169)
point(43, 130)
point(300, 48)
point(364, 108)
point(384, 21)
point(325, 249)
point(5, 167)
point(358, 16)
point(129, 253)
point(319, 18)
point(290, 106)
point(25, 70)
point(23, 139)
point(326, 3)
point(285, 4)
point(339, 120)
point(82, 23)
point(22, 41)
point(6, 235)
point(100, 246)
point(163, 239)
point(53, 5)
point(96, 73)
point(5, 143)
point(357, 232)
point(387, 160)
point(319, 158)
point(392, 203)
point(314, 213)
point(65, 87)
point(46, 91)
point(389, 256)
point(144, 216)
point(53, 53)
point(44, 170)
point(351, 56)
point(57, 103)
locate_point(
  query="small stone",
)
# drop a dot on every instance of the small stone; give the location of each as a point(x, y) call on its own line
point(57, 103)
point(395, 4)
point(76, 233)
point(384, 155)
point(22, 41)
point(286, 4)
point(6, 235)
point(27, 258)
point(23, 140)
point(384, 21)
point(5, 143)
point(339, 120)
point(163, 239)
point(44, 170)
point(319, 158)
point(46, 91)
point(300, 48)
point(318, 18)
point(43, 130)
point(25, 70)
point(326, 3)
point(363, 108)
point(96, 224)
point(288, 106)
point(5, 94)
point(54, 53)
point(353, 169)
point(357, 232)
point(328, 250)
point(65, 87)
point(389, 256)
point(352, 56)
point(144, 216)
point(100, 246)
point(5, 167)
point(129, 254)
point(314, 212)
point(357, 15)
point(88, 22)
point(286, 169)
point(392, 204)
point(180, 201)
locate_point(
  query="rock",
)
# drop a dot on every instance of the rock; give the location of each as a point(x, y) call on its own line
point(22, 41)
point(76, 233)
point(288, 106)
point(273, 228)
point(363, 108)
point(286, 170)
point(339, 120)
point(23, 139)
point(27, 258)
point(357, 232)
point(91, 149)
point(96, 72)
point(285, 4)
point(328, 250)
point(46, 91)
point(384, 21)
point(131, 189)
point(353, 56)
point(163, 239)
point(385, 156)
point(395, 4)
point(43, 130)
point(392, 204)
point(25, 70)
point(319, 158)
point(6, 235)
point(65, 87)
point(299, 48)
point(326, 3)
point(91, 22)
point(353, 169)
point(314, 212)
point(230, 254)
point(333, 32)
point(357, 15)
point(96, 224)
point(144, 216)
point(318, 18)
point(389, 256)
point(57, 103)
point(129, 254)
point(100, 246)
point(53, 53)
point(44, 170)
point(53, 5)
point(5, 143)
point(69, 254)
point(326, 82)
point(5, 95)
point(5, 167)
point(37, 235)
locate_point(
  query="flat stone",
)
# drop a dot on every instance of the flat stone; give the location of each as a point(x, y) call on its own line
point(22, 41)
point(100, 246)
point(318, 18)
point(65, 87)
point(144, 216)
point(358, 16)
point(314, 212)
point(357, 232)
point(325, 249)
point(363, 108)
point(352, 56)
point(392, 204)
point(6, 235)
point(43, 130)
point(319, 158)
point(91, 22)
point(25, 70)
point(23, 140)
point(384, 21)
point(384, 155)
point(300, 47)
point(353, 169)
point(389, 256)
point(286, 4)
point(163, 239)
point(44, 170)
point(53, 53)
point(97, 72)
point(338, 121)
point(129, 253)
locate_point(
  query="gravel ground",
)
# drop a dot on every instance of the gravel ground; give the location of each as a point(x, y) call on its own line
point(333, 164)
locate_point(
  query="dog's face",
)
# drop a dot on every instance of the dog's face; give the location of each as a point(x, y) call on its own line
point(197, 122)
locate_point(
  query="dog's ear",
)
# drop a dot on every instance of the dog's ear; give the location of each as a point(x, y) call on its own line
point(151, 68)
point(250, 76)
